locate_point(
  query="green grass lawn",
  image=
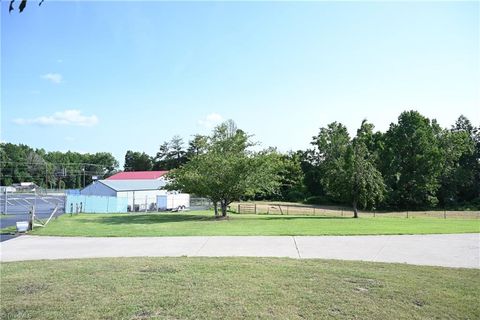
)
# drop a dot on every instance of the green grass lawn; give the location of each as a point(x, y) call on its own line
point(204, 224)
point(235, 288)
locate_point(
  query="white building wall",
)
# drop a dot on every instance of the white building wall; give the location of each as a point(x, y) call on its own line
point(173, 201)
point(143, 199)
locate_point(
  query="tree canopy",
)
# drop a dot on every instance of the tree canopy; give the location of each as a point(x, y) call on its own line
point(415, 164)
point(363, 182)
point(227, 170)
point(20, 163)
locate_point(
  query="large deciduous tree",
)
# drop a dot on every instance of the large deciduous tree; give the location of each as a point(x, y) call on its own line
point(228, 170)
point(362, 183)
point(348, 167)
point(328, 159)
point(460, 179)
point(411, 161)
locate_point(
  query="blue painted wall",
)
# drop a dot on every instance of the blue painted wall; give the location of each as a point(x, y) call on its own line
point(95, 204)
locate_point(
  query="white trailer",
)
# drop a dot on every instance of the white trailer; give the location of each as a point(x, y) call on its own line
point(179, 201)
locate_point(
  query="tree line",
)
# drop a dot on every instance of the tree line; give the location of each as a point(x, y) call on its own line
point(415, 164)
point(70, 170)
point(171, 154)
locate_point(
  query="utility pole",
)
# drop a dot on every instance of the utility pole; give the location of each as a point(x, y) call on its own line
point(83, 176)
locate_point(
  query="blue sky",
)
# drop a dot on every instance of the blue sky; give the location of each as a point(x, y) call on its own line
point(111, 76)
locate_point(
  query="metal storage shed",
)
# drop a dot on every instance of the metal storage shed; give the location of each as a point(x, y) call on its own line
point(140, 194)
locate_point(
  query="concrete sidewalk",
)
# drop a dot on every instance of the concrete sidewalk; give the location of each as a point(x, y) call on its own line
point(446, 250)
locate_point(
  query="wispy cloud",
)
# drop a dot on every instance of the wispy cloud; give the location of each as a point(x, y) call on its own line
point(53, 77)
point(67, 117)
point(210, 120)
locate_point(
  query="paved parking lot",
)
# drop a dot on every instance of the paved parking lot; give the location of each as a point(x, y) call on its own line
point(19, 205)
point(446, 250)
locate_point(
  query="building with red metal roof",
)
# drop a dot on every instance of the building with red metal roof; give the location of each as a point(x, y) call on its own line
point(138, 175)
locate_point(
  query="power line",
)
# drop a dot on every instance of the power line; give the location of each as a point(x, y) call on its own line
point(56, 163)
point(43, 175)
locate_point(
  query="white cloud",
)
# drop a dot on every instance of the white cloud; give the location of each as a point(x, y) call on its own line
point(67, 117)
point(211, 120)
point(53, 77)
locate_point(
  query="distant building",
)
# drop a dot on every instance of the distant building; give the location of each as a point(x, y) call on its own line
point(25, 186)
point(7, 189)
point(140, 194)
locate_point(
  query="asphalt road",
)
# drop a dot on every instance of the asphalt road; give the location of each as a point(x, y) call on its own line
point(446, 250)
point(7, 236)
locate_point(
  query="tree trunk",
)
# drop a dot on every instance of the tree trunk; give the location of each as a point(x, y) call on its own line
point(355, 211)
point(215, 208)
point(224, 208)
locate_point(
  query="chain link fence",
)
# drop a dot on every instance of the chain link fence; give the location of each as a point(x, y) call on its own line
point(18, 206)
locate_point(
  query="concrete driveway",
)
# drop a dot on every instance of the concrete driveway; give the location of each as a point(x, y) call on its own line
point(447, 250)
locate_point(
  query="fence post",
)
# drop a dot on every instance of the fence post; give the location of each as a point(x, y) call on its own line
point(5, 209)
point(407, 214)
point(342, 212)
point(287, 209)
point(30, 224)
point(238, 208)
point(374, 213)
point(313, 210)
point(255, 208)
point(444, 214)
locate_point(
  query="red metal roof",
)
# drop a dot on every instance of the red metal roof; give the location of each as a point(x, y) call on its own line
point(137, 175)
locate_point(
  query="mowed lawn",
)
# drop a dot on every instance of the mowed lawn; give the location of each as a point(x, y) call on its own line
point(235, 288)
point(205, 224)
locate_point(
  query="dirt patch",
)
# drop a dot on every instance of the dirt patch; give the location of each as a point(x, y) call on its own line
point(32, 288)
point(418, 302)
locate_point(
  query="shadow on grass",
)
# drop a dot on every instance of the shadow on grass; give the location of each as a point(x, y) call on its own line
point(147, 218)
point(171, 218)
